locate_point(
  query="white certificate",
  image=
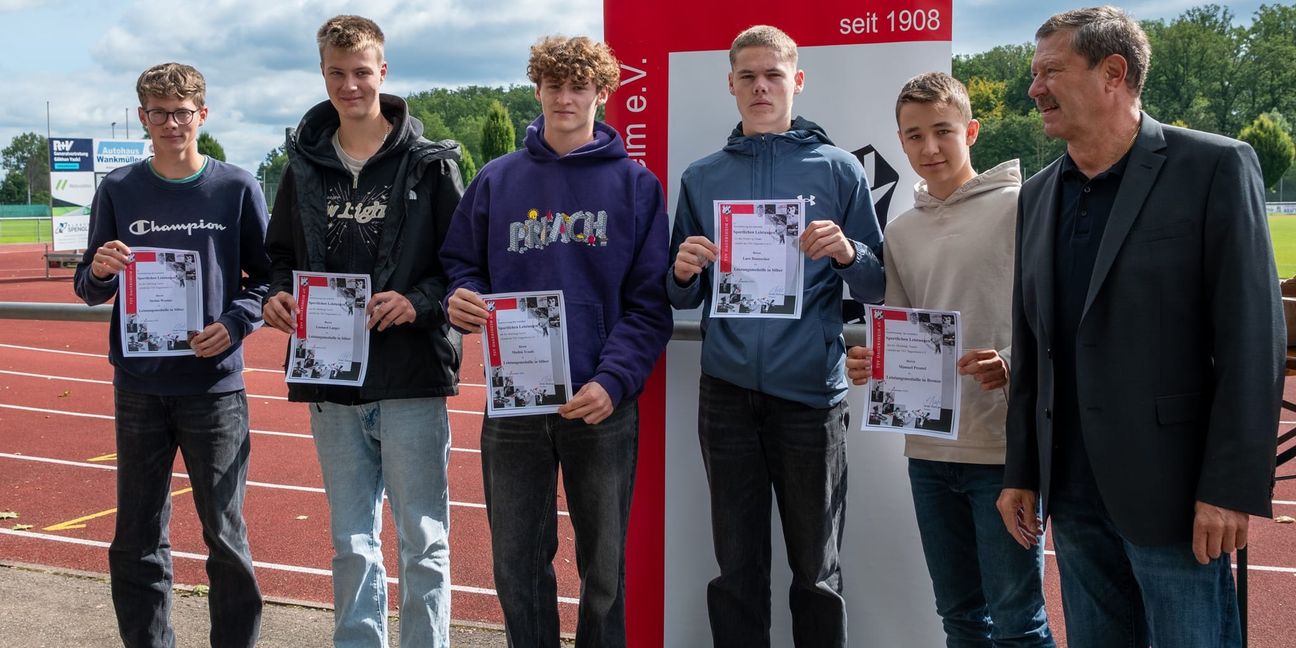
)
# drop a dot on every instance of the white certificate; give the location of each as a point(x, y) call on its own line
point(759, 269)
point(330, 344)
point(914, 386)
point(525, 344)
point(162, 302)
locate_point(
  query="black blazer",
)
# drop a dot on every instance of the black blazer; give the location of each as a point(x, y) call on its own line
point(1180, 349)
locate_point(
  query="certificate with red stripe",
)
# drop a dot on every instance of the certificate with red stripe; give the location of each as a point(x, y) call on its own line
point(162, 302)
point(760, 265)
point(330, 341)
point(914, 387)
point(525, 344)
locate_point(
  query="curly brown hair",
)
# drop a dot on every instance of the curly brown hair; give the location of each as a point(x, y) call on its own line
point(172, 80)
point(558, 58)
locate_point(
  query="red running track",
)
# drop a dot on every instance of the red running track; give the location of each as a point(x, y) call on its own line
point(55, 469)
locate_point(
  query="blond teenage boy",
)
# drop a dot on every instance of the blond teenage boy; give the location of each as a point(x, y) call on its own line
point(772, 412)
point(365, 193)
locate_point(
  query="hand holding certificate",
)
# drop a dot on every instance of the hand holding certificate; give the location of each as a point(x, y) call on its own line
point(760, 265)
point(330, 344)
point(525, 344)
point(162, 302)
point(914, 387)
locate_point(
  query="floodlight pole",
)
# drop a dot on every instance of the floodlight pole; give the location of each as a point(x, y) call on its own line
point(127, 123)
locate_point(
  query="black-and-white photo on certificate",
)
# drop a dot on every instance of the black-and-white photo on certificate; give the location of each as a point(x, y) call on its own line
point(525, 347)
point(330, 343)
point(914, 387)
point(162, 302)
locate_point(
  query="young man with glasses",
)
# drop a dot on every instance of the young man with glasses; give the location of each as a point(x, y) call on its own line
point(181, 199)
point(365, 193)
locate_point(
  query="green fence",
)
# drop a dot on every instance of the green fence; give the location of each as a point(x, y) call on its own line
point(24, 223)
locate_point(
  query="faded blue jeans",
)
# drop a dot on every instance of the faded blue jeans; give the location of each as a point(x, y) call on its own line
point(211, 432)
point(521, 457)
point(754, 444)
point(400, 446)
point(989, 590)
point(1116, 594)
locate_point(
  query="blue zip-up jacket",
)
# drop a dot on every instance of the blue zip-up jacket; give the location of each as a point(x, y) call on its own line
point(591, 223)
point(800, 360)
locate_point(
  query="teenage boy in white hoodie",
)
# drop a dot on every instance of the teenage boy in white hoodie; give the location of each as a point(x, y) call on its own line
point(954, 251)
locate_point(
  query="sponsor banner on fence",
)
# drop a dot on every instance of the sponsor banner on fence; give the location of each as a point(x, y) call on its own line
point(71, 154)
point(71, 229)
point(110, 154)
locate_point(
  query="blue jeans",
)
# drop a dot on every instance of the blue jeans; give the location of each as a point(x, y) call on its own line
point(1116, 594)
point(520, 461)
point(401, 446)
point(753, 443)
point(989, 590)
point(211, 432)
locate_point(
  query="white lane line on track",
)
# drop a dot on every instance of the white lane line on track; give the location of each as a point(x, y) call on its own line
point(95, 381)
point(1285, 502)
point(1250, 568)
point(296, 569)
point(58, 351)
point(289, 487)
point(105, 417)
point(255, 369)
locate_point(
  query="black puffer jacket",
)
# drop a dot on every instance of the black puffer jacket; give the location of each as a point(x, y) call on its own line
point(415, 360)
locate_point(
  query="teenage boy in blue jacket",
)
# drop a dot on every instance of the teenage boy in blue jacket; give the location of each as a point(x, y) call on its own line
point(772, 407)
point(181, 199)
point(604, 245)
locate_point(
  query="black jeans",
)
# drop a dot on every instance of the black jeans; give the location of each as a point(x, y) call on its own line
point(752, 444)
point(520, 461)
point(211, 431)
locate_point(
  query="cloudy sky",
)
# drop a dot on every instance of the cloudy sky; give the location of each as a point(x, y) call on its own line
point(82, 56)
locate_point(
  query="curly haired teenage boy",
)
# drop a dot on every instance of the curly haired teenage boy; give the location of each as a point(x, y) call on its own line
point(605, 247)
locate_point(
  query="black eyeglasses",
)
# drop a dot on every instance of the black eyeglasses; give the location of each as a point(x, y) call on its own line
point(157, 116)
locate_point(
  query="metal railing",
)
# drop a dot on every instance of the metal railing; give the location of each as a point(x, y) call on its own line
point(685, 330)
point(56, 312)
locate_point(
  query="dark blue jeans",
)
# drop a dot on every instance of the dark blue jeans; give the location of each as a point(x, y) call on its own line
point(989, 590)
point(1116, 594)
point(754, 444)
point(211, 431)
point(521, 457)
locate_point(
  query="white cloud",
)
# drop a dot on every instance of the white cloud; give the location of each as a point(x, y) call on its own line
point(260, 59)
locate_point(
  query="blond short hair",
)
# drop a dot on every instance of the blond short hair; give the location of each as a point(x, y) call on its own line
point(935, 88)
point(175, 80)
point(350, 34)
point(559, 58)
point(764, 36)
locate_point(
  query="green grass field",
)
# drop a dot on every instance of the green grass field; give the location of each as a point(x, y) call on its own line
point(1282, 229)
point(24, 230)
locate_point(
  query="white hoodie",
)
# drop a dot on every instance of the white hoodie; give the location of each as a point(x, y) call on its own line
point(957, 254)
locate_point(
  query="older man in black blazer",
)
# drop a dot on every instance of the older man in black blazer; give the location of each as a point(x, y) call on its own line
point(1148, 350)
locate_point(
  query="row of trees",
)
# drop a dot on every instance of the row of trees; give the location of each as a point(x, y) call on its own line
point(487, 122)
point(1206, 73)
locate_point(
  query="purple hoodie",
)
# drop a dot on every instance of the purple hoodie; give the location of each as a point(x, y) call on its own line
point(591, 223)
